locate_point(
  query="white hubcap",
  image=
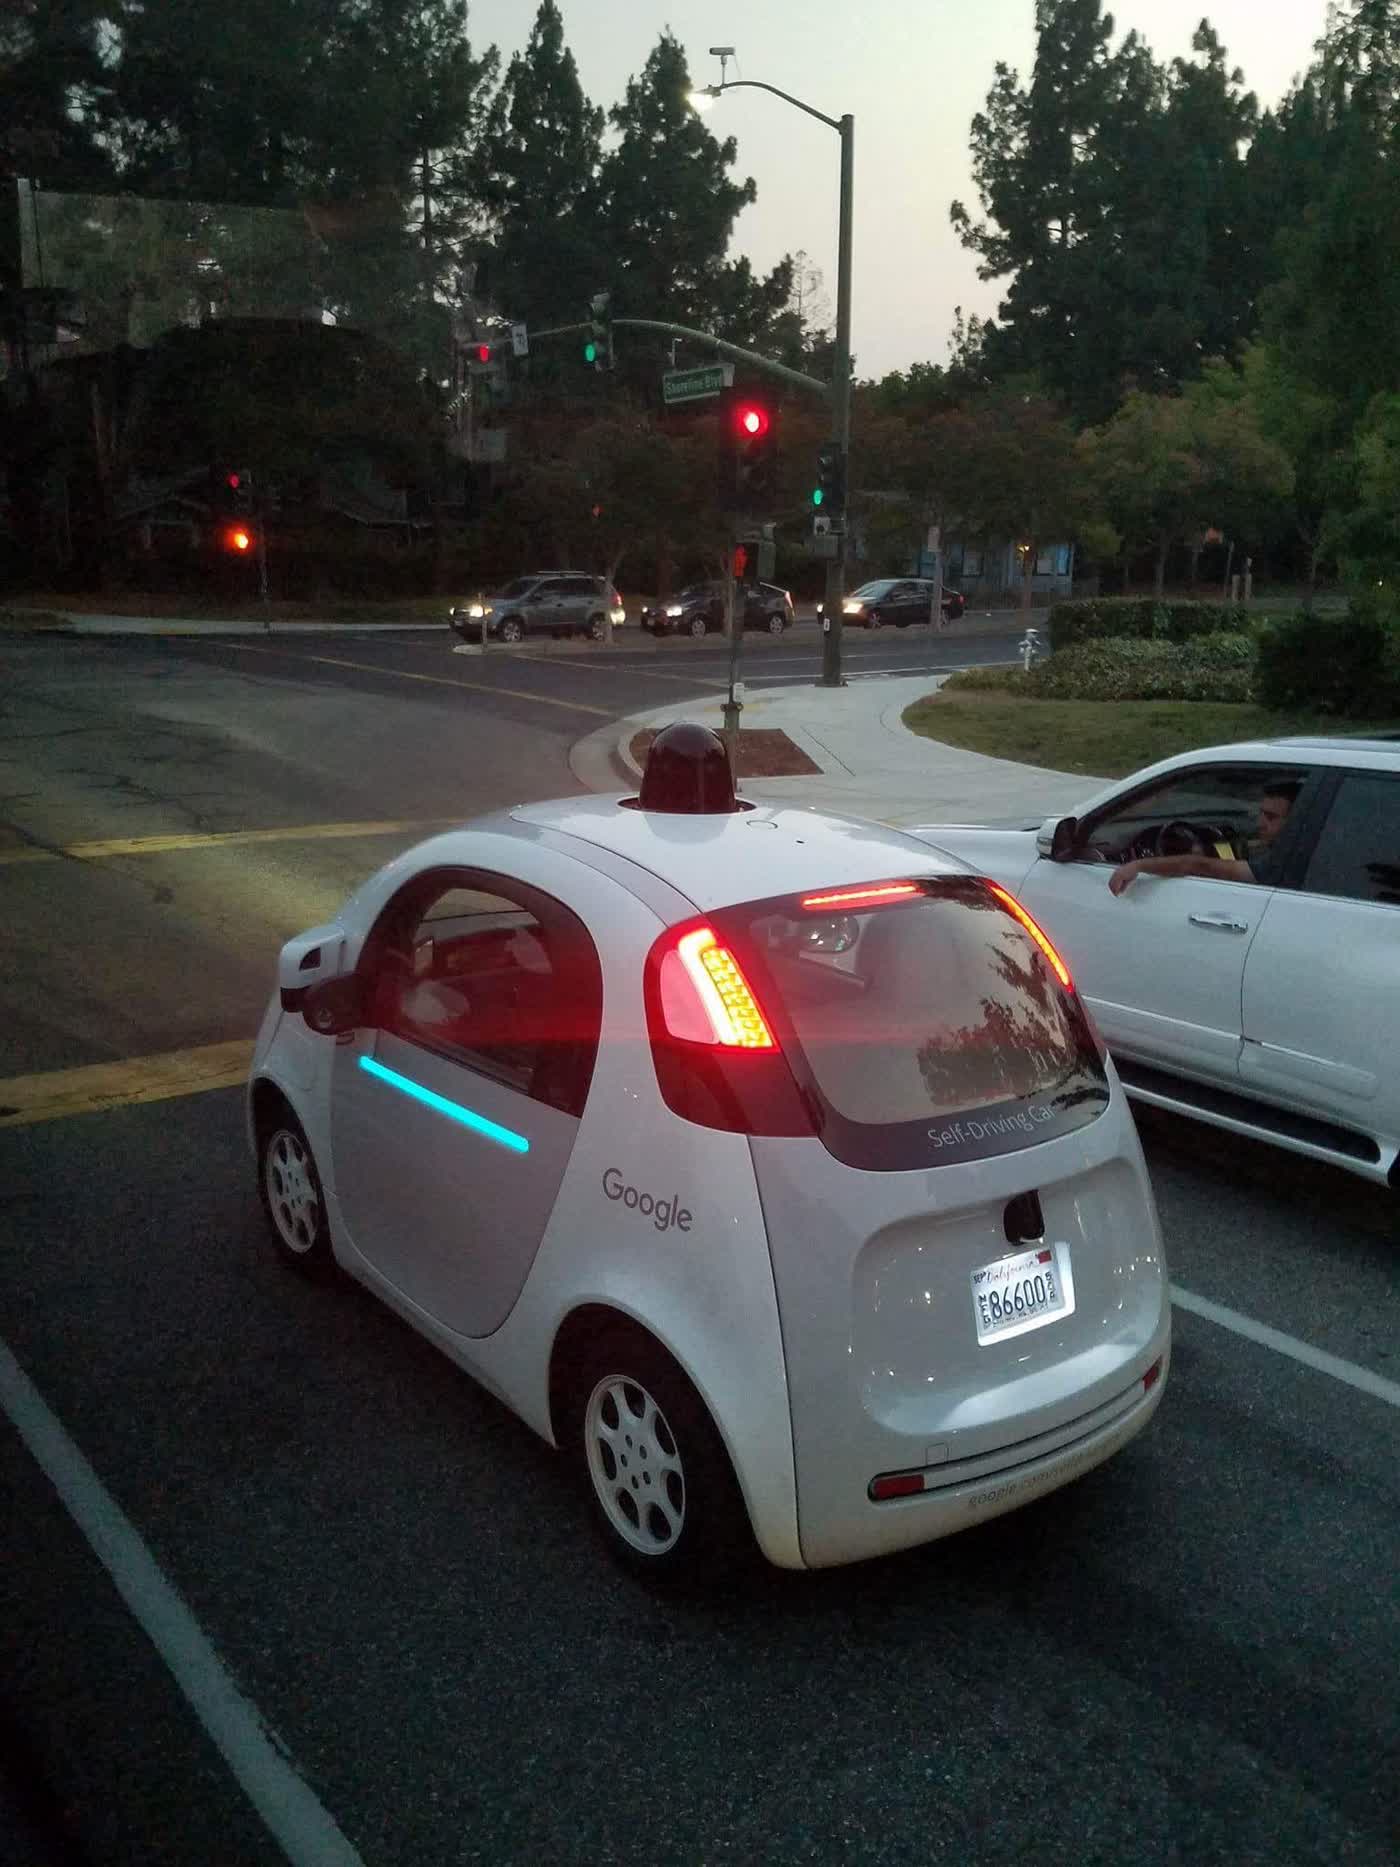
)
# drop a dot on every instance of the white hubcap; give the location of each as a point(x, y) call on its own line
point(634, 1465)
point(291, 1192)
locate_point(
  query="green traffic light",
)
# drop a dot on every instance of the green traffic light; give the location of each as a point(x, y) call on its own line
point(590, 352)
point(817, 495)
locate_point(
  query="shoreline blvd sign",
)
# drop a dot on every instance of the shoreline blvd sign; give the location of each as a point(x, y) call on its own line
point(696, 385)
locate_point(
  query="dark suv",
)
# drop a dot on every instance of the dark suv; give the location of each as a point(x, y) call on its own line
point(553, 602)
point(699, 609)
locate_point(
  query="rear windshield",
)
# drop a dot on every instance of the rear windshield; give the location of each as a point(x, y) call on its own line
point(928, 1029)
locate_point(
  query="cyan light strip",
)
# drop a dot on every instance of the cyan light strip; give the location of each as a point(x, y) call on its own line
point(479, 1124)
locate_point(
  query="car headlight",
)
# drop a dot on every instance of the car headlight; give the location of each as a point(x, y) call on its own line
point(674, 609)
point(477, 610)
point(617, 615)
point(853, 609)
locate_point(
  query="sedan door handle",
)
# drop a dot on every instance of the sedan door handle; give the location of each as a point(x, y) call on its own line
point(1218, 923)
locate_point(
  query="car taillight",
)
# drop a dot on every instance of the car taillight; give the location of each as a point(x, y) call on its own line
point(1036, 932)
point(725, 996)
point(718, 1056)
point(872, 895)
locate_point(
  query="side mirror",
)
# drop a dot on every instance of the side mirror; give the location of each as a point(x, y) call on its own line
point(1056, 837)
point(334, 1006)
point(306, 960)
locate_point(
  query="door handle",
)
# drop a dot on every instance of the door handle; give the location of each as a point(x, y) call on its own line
point(1218, 923)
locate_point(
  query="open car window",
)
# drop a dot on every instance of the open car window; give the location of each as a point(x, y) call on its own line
point(1211, 811)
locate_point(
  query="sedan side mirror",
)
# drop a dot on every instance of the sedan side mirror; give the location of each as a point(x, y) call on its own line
point(334, 1006)
point(1055, 838)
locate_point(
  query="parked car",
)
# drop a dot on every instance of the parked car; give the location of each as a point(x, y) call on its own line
point(1261, 992)
point(699, 610)
point(560, 602)
point(902, 601)
point(871, 1255)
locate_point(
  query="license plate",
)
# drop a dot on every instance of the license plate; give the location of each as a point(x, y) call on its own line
point(1022, 1292)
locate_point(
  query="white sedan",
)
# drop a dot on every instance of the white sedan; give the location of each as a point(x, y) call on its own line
point(766, 1163)
point(1233, 918)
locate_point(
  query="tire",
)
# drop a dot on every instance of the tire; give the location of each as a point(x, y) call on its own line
point(874, 620)
point(776, 624)
point(659, 1480)
point(512, 629)
point(290, 1187)
point(901, 622)
point(598, 628)
point(698, 626)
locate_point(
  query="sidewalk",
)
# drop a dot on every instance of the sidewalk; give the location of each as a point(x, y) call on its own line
point(871, 764)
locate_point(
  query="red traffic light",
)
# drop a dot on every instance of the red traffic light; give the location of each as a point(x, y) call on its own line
point(238, 538)
point(232, 479)
point(483, 353)
point(752, 419)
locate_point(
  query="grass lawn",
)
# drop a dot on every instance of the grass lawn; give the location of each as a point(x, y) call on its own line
point(1105, 738)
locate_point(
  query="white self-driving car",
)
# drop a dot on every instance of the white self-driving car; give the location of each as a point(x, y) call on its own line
point(765, 1162)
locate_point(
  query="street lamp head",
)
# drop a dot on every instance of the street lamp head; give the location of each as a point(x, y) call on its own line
point(703, 99)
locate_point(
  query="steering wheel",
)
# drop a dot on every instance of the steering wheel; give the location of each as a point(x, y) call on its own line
point(1180, 838)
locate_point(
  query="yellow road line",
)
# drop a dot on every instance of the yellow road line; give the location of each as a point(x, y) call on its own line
point(216, 839)
point(434, 680)
point(98, 1086)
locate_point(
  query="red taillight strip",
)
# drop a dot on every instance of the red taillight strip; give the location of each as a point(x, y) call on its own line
point(896, 1484)
point(1036, 932)
point(872, 896)
point(724, 992)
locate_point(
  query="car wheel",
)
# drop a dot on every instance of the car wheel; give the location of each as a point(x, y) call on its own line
point(291, 1194)
point(874, 620)
point(512, 629)
point(598, 628)
point(662, 1487)
point(776, 625)
point(699, 625)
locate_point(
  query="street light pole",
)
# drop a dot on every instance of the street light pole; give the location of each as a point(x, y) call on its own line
point(841, 411)
point(845, 128)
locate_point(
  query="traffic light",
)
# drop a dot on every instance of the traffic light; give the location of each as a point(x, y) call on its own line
point(748, 458)
point(233, 490)
point(238, 539)
point(598, 345)
point(829, 493)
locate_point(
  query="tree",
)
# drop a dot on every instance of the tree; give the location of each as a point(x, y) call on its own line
point(53, 88)
point(1105, 290)
point(669, 207)
point(1168, 467)
point(1366, 537)
point(542, 153)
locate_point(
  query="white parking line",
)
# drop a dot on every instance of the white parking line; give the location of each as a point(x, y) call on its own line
point(304, 1829)
point(1362, 1378)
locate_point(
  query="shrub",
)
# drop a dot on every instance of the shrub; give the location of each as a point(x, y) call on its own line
point(1140, 618)
point(1218, 667)
point(987, 680)
point(1345, 665)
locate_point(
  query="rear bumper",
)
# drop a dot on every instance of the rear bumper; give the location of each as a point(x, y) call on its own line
point(975, 1490)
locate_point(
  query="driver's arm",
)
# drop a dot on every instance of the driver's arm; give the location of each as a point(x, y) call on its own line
point(1213, 868)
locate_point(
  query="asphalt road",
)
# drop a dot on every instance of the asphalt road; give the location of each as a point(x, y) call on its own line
point(1190, 1655)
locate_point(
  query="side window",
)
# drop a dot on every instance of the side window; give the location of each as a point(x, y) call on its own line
point(495, 976)
point(1358, 848)
point(1236, 812)
point(549, 590)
